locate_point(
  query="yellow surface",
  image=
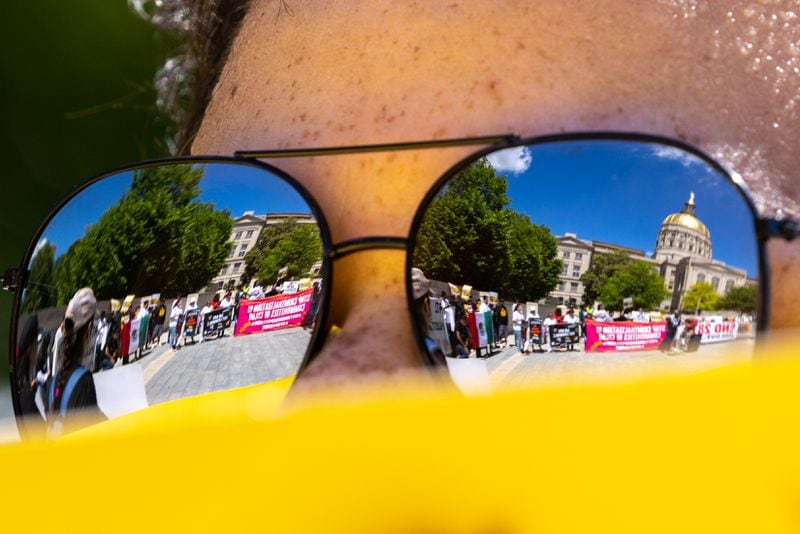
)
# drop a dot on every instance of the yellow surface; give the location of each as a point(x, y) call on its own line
point(714, 452)
point(687, 220)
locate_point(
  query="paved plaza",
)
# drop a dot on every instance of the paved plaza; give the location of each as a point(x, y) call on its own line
point(509, 368)
point(224, 363)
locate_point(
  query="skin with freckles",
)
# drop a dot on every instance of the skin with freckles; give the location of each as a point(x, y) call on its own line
point(724, 78)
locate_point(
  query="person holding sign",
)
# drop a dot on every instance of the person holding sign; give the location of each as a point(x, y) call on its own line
point(570, 318)
point(422, 311)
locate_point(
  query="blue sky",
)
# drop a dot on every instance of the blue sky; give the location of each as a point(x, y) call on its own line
point(620, 192)
point(617, 192)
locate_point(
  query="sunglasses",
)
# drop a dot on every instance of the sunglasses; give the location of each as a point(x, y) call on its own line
point(216, 272)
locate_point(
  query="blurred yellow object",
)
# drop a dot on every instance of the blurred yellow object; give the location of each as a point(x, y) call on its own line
point(711, 452)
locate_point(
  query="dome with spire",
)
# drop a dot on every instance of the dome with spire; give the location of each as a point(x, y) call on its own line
point(683, 235)
point(687, 218)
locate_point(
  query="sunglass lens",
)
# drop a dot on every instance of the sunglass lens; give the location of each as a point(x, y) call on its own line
point(587, 259)
point(189, 277)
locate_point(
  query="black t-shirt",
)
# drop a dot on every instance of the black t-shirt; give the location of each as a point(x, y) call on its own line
point(160, 314)
point(463, 331)
point(112, 345)
point(502, 315)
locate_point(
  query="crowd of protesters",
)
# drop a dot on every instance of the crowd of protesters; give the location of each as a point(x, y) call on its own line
point(530, 330)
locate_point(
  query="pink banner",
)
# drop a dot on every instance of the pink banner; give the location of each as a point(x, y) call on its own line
point(624, 336)
point(272, 313)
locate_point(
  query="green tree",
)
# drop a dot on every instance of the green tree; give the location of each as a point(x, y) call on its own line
point(634, 279)
point(291, 244)
point(535, 269)
point(741, 298)
point(602, 268)
point(470, 236)
point(701, 296)
point(41, 291)
point(157, 238)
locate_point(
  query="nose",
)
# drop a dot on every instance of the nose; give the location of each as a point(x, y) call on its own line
point(369, 329)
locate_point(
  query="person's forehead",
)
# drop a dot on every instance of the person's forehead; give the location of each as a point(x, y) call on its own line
point(724, 78)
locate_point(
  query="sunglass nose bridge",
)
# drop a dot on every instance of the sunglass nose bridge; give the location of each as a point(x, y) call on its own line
point(368, 243)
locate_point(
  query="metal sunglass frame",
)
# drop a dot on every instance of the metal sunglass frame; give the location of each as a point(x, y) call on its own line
point(15, 279)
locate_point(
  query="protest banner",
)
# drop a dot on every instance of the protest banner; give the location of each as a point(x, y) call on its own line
point(563, 334)
point(454, 289)
point(536, 337)
point(438, 331)
point(133, 344)
point(493, 296)
point(624, 336)
point(126, 304)
point(190, 323)
point(465, 292)
point(216, 321)
point(716, 331)
point(272, 313)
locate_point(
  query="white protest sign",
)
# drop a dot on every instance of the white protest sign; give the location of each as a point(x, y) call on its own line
point(120, 390)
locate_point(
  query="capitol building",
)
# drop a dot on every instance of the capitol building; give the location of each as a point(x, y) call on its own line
point(682, 257)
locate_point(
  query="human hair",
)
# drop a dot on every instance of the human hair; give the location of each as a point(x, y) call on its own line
point(72, 350)
point(214, 25)
point(422, 311)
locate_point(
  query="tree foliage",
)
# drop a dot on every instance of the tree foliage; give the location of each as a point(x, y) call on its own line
point(634, 279)
point(157, 239)
point(291, 244)
point(701, 296)
point(602, 268)
point(740, 298)
point(470, 236)
point(41, 293)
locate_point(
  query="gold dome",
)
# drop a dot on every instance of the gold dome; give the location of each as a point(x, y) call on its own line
point(689, 221)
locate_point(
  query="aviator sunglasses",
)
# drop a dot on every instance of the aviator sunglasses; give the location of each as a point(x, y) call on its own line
point(210, 272)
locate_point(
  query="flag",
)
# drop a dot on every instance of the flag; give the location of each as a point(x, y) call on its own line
point(488, 320)
point(465, 291)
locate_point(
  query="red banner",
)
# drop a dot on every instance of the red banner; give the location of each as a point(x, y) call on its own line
point(272, 313)
point(624, 336)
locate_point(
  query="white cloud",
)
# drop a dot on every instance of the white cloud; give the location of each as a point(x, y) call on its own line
point(676, 154)
point(42, 242)
point(514, 160)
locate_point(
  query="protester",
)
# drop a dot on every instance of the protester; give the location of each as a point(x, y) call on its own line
point(516, 323)
point(207, 308)
point(570, 318)
point(421, 308)
point(110, 351)
point(601, 315)
point(677, 326)
point(174, 318)
point(159, 316)
point(462, 340)
point(549, 320)
point(502, 319)
point(71, 391)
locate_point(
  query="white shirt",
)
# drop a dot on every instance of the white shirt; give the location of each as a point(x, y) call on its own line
point(517, 319)
point(601, 315)
point(570, 319)
point(226, 303)
point(483, 308)
point(176, 312)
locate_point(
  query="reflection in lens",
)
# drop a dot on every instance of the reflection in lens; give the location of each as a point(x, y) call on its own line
point(166, 282)
point(588, 259)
